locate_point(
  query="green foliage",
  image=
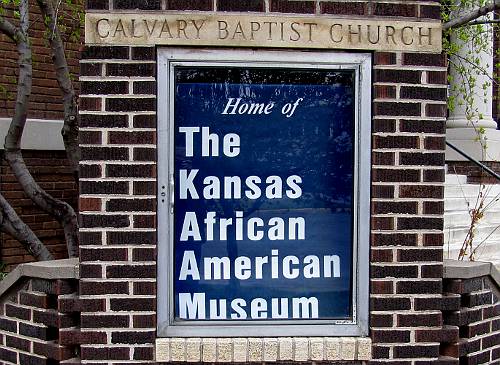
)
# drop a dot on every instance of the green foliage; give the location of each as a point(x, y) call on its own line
point(70, 19)
point(3, 271)
point(464, 46)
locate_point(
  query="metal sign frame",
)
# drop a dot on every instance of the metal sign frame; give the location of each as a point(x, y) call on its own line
point(168, 59)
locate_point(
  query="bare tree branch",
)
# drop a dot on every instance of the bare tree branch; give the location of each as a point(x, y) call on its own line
point(479, 22)
point(60, 210)
point(70, 128)
point(472, 15)
point(11, 223)
point(8, 28)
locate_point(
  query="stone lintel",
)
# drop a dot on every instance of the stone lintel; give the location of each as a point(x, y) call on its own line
point(255, 30)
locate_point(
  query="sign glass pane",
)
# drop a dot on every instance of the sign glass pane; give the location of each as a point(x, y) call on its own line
point(264, 189)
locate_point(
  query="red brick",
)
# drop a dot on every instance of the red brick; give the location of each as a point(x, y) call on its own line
point(381, 255)
point(384, 125)
point(105, 52)
point(395, 9)
point(394, 271)
point(248, 5)
point(189, 5)
point(90, 204)
point(388, 304)
point(399, 109)
point(382, 191)
point(68, 304)
point(104, 287)
point(419, 287)
point(419, 351)
point(105, 321)
point(90, 104)
point(424, 59)
point(388, 207)
point(18, 343)
point(103, 254)
point(395, 142)
point(12, 310)
point(284, 6)
point(436, 110)
point(395, 175)
point(387, 336)
point(419, 320)
point(419, 254)
point(53, 351)
point(76, 336)
point(129, 271)
point(132, 138)
point(133, 304)
point(421, 191)
point(133, 337)
point(437, 77)
point(143, 5)
point(390, 75)
point(383, 223)
point(395, 239)
point(384, 58)
point(38, 300)
point(430, 11)
point(144, 288)
point(144, 353)
point(105, 353)
point(381, 320)
point(382, 287)
point(343, 8)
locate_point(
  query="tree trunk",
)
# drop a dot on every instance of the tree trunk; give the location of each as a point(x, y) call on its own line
point(60, 210)
point(11, 223)
point(472, 15)
point(70, 128)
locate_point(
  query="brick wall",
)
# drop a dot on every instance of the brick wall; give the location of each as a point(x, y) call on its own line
point(118, 190)
point(35, 323)
point(51, 170)
point(475, 174)
point(472, 319)
point(46, 99)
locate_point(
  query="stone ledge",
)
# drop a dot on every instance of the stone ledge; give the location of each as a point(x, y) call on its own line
point(241, 350)
point(39, 134)
point(51, 270)
point(454, 269)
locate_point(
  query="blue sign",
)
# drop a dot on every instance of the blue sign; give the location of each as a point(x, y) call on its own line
point(263, 219)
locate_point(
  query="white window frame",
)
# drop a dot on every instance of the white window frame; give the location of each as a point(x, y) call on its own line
point(168, 58)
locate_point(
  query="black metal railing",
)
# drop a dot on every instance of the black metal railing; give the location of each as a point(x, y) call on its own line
point(473, 160)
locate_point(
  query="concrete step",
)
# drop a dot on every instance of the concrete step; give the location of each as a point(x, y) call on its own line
point(489, 251)
point(465, 204)
point(457, 235)
point(471, 191)
point(460, 198)
point(463, 219)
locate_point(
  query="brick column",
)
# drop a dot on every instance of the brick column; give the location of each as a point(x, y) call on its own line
point(118, 197)
point(407, 206)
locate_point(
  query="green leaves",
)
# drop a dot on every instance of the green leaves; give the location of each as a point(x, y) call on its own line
point(470, 83)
